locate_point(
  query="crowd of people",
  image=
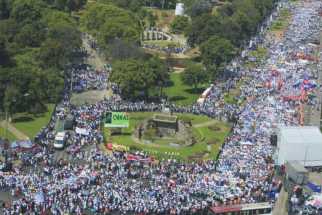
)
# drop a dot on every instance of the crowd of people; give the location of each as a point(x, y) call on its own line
point(109, 183)
point(167, 49)
point(84, 78)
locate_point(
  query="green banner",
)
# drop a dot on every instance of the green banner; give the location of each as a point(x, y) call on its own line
point(116, 120)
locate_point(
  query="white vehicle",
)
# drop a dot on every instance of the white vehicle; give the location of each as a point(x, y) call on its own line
point(59, 140)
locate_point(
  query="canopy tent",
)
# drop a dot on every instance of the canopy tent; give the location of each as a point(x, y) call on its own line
point(302, 144)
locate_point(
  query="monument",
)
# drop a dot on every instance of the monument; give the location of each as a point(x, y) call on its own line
point(165, 128)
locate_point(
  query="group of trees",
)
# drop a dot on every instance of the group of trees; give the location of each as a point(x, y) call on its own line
point(67, 5)
point(137, 77)
point(108, 22)
point(179, 24)
point(221, 32)
point(194, 75)
point(118, 26)
point(37, 42)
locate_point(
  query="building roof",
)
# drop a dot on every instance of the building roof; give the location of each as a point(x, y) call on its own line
point(299, 135)
point(297, 166)
point(302, 144)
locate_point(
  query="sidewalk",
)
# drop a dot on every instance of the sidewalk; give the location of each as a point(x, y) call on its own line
point(280, 205)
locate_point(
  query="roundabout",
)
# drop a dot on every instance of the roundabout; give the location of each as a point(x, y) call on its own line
point(189, 137)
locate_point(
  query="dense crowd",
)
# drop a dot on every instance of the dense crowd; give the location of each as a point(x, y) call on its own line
point(244, 170)
point(84, 77)
point(167, 49)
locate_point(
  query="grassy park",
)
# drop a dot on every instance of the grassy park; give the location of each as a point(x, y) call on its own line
point(31, 124)
point(209, 134)
point(181, 94)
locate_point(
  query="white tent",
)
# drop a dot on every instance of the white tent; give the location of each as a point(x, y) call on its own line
point(302, 144)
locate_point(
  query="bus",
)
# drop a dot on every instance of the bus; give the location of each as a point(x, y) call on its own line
point(59, 140)
point(264, 208)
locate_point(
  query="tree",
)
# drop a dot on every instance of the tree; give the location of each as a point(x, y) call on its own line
point(237, 20)
point(42, 41)
point(67, 5)
point(27, 11)
point(198, 8)
point(4, 9)
point(134, 6)
point(10, 98)
point(203, 27)
point(160, 69)
point(4, 54)
point(115, 30)
point(132, 76)
point(179, 24)
point(136, 76)
point(122, 50)
point(217, 51)
point(62, 41)
point(31, 34)
point(194, 74)
point(108, 22)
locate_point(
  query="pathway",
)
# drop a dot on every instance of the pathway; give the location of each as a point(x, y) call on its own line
point(280, 205)
point(94, 58)
point(18, 134)
point(97, 62)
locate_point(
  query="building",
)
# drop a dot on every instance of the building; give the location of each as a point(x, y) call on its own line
point(179, 9)
point(302, 144)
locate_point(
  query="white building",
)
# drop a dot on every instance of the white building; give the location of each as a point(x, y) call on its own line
point(302, 144)
point(179, 9)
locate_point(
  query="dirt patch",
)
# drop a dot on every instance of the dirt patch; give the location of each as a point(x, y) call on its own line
point(197, 156)
point(213, 142)
point(214, 127)
point(89, 97)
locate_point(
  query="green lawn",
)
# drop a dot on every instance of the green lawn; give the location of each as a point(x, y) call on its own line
point(161, 148)
point(282, 22)
point(3, 134)
point(180, 93)
point(30, 124)
point(162, 43)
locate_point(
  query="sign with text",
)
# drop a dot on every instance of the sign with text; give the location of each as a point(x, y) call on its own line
point(116, 120)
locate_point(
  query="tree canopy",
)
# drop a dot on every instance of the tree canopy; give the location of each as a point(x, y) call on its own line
point(231, 24)
point(237, 17)
point(179, 24)
point(37, 42)
point(194, 74)
point(216, 51)
point(135, 77)
point(108, 22)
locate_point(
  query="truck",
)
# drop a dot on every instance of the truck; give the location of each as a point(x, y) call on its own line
point(296, 172)
point(60, 140)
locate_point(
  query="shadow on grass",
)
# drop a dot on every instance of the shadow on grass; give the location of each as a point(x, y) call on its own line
point(169, 83)
point(22, 119)
point(177, 98)
point(198, 90)
point(121, 134)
